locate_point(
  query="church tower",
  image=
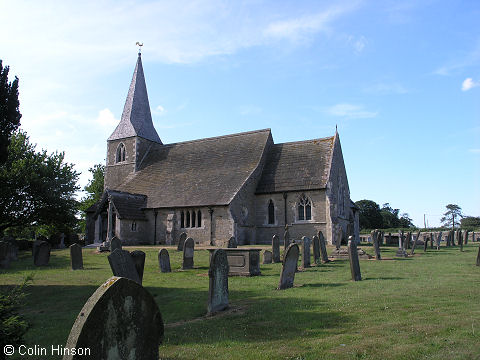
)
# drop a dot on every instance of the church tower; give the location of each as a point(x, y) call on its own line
point(134, 135)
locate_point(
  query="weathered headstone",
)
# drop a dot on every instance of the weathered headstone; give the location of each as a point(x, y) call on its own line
point(76, 258)
point(414, 245)
point(218, 282)
point(181, 241)
point(289, 265)
point(121, 320)
point(306, 252)
point(316, 250)
point(376, 245)
point(115, 244)
point(122, 265)
point(439, 240)
point(286, 238)
point(354, 261)
point(431, 240)
point(425, 242)
point(323, 248)
point(188, 251)
point(460, 239)
point(276, 249)
point(407, 240)
point(138, 258)
point(42, 254)
point(164, 261)
point(4, 255)
point(267, 257)
point(232, 243)
point(465, 238)
point(401, 249)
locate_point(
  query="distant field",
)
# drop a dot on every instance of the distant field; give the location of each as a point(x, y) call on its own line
point(425, 307)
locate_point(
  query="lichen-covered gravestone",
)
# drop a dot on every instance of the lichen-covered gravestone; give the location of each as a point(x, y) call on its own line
point(323, 248)
point(267, 257)
point(305, 252)
point(232, 243)
point(115, 244)
point(354, 262)
point(218, 282)
point(121, 320)
point(316, 250)
point(188, 251)
point(289, 265)
point(181, 241)
point(76, 258)
point(41, 257)
point(276, 249)
point(122, 265)
point(138, 258)
point(164, 261)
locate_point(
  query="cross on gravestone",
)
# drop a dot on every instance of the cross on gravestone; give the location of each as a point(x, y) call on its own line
point(305, 252)
point(164, 261)
point(41, 256)
point(138, 258)
point(76, 258)
point(121, 320)
point(267, 257)
point(276, 249)
point(354, 261)
point(323, 248)
point(181, 241)
point(286, 238)
point(401, 250)
point(232, 243)
point(316, 250)
point(289, 265)
point(122, 265)
point(218, 282)
point(188, 251)
point(376, 245)
point(115, 244)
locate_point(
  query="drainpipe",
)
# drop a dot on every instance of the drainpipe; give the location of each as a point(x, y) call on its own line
point(285, 206)
point(210, 211)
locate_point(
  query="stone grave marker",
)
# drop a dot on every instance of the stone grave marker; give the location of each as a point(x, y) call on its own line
point(218, 282)
point(289, 265)
point(267, 257)
point(401, 250)
point(460, 239)
point(76, 258)
point(465, 238)
point(121, 320)
point(276, 249)
point(316, 250)
point(122, 265)
point(425, 242)
point(138, 258)
point(188, 251)
point(478, 257)
point(376, 245)
point(232, 243)
point(4, 255)
point(305, 252)
point(42, 254)
point(164, 261)
point(431, 240)
point(354, 261)
point(439, 240)
point(323, 248)
point(115, 244)
point(286, 238)
point(181, 241)
point(414, 245)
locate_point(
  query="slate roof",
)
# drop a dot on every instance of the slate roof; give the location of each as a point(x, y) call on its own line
point(198, 173)
point(127, 206)
point(136, 117)
point(296, 166)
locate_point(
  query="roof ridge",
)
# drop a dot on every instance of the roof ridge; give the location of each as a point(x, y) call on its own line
point(219, 137)
point(305, 141)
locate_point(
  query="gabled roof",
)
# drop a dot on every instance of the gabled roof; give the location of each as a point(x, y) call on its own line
point(127, 206)
point(296, 166)
point(136, 117)
point(202, 172)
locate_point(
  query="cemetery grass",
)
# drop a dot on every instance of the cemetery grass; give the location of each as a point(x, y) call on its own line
point(423, 307)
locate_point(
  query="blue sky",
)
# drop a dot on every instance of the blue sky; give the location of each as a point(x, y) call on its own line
point(401, 80)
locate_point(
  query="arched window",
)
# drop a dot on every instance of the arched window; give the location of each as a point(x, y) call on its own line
point(304, 208)
point(188, 219)
point(182, 219)
point(271, 212)
point(120, 156)
point(194, 217)
point(199, 218)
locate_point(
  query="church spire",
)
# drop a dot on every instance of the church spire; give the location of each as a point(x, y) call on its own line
point(136, 117)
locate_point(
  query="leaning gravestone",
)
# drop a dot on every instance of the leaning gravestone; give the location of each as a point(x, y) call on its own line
point(415, 243)
point(42, 254)
point(4, 255)
point(276, 249)
point(267, 257)
point(181, 241)
point(164, 261)
point(354, 261)
point(121, 320)
point(218, 282)
point(188, 251)
point(138, 258)
point(323, 248)
point(376, 245)
point(305, 252)
point(115, 244)
point(316, 250)
point(288, 267)
point(122, 265)
point(76, 259)
point(232, 243)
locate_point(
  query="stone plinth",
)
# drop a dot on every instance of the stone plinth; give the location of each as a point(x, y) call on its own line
point(242, 261)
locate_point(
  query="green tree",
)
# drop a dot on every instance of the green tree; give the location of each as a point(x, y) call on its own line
point(94, 190)
point(470, 222)
point(404, 221)
point(37, 188)
point(389, 216)
point(453, 212)
point(370, 216)
point(9, 110)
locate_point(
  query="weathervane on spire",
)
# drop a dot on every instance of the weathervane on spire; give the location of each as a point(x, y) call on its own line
point(139, 47)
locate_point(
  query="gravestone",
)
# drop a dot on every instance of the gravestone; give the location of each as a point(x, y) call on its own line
point(460, 239)
point(164, 261)
point(232, 243)
point(425, 242)
point(286, 238)
point(316, 250)
point(465, 238)
point(376, 245)
point(267, 257)
point(323, 248)
point(431, 240)
point(122, 265)
point(115, 244)
point(121, 320)
point(138, 258)
point(218, 282)
point(354, 261)
point(188, 251)
point(415, 243)
point(76, 258)
point(181, 241)
point(401, 250)
point(42, 254)
point(408, 240)
point(289, 265)
point(276, 249)
point(449, 239)
point(4, 255)
point(305, 252)
point(439, 240)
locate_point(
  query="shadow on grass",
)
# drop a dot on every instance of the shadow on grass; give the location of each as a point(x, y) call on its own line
point(383, 278)
point(25, 262)
point(321, 285)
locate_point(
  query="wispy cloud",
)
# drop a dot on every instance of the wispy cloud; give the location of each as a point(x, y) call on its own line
point(159, 110)
point(468, 84)
point(351, 111)
point(461, 61)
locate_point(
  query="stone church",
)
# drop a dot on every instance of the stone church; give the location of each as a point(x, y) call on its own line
point(243, 185)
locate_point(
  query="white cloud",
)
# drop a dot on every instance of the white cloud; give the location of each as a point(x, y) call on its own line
point(106, 118)
point(159, 110)
point(350, 111)
point(468, 84)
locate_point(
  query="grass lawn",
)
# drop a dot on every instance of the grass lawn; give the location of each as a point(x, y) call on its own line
point(425, 307)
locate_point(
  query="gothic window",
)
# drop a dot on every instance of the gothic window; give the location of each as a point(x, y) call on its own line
point(304, 208)
point(134, 226)
point(194, 217)
point(199, 220)
point(188, 219)
point(271, 212)
point(120, 156)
